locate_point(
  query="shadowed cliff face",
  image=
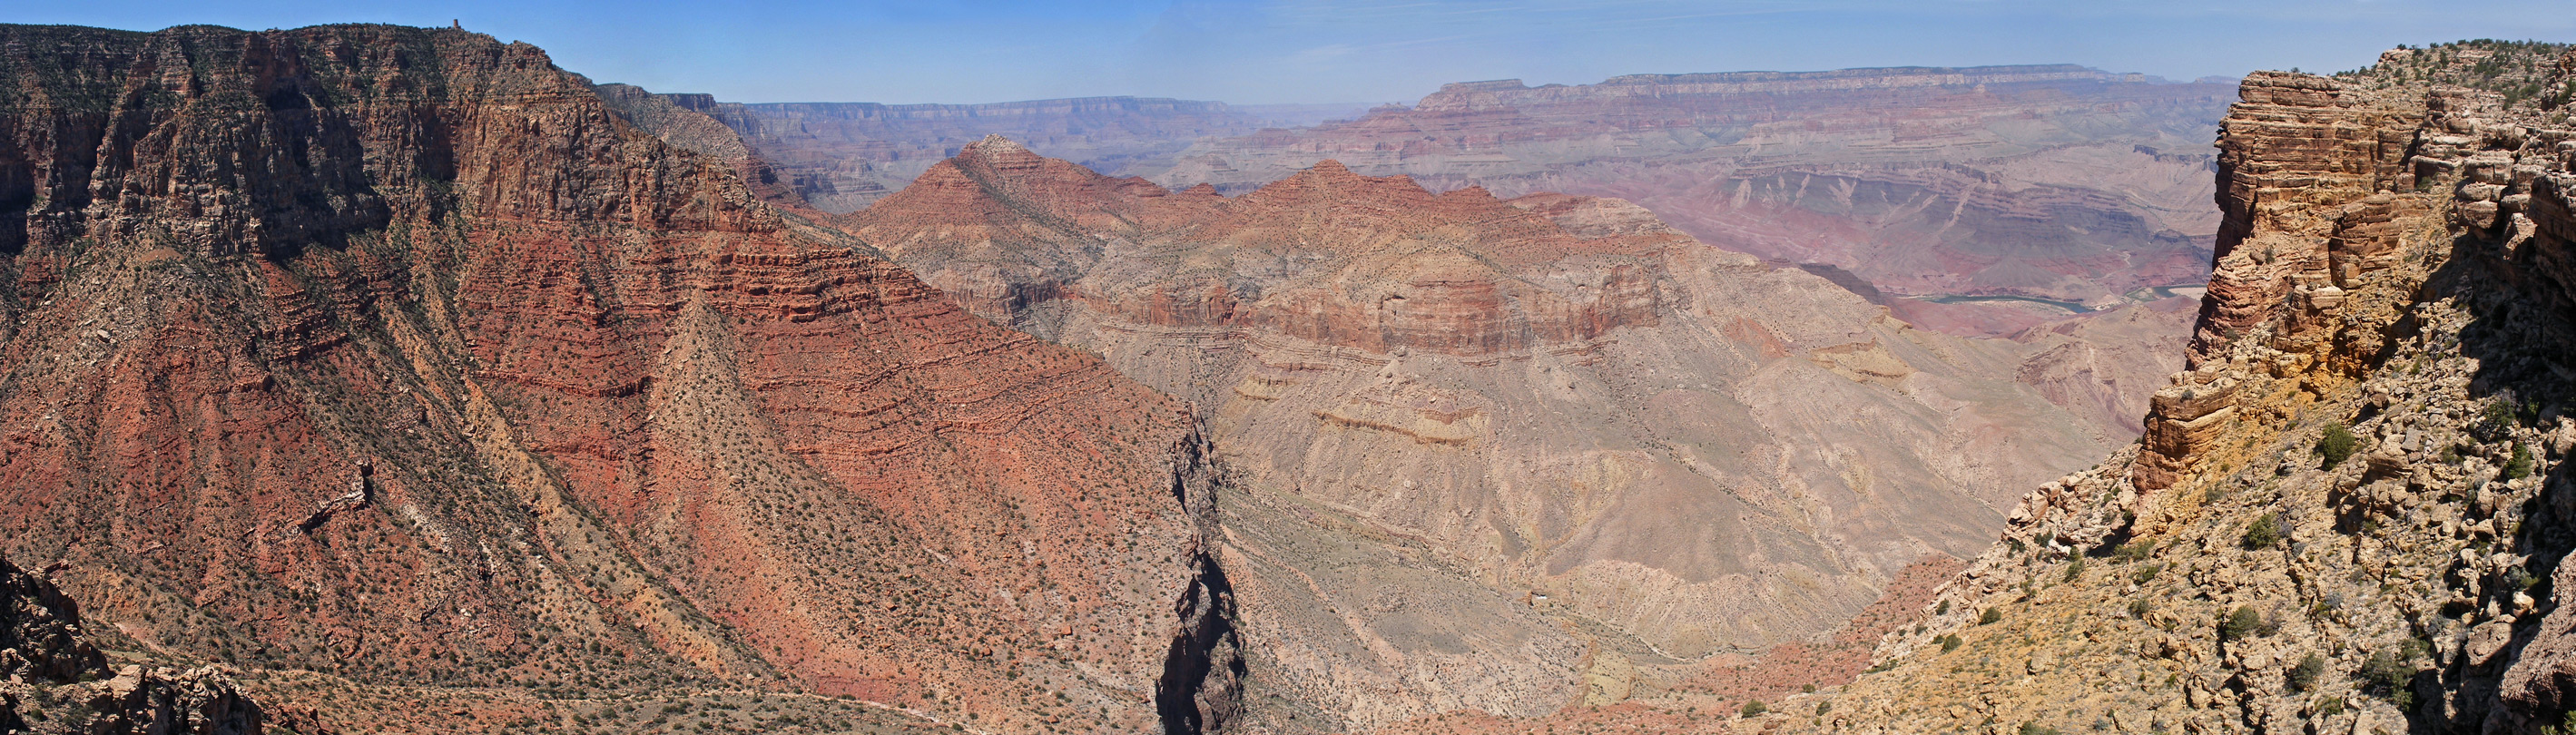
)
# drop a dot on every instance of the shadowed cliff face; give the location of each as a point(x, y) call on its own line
point(2050, 181)
point(400, 356)
point(1496, 454)
point(57, 682)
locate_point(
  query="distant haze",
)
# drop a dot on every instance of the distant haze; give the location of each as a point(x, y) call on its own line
point(1276, 51)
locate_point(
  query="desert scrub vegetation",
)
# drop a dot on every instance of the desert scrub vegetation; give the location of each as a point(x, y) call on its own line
point(2242, 624)
point(2265, 532)
point(2336, 444)
point(2517, 71)
point(2392, 675)
point(2304, 676)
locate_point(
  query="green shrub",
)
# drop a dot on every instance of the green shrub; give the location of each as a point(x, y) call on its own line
point(2388, 675)
point(1754, 708)
point(1948, 642)
point(2264, 532)
point(2074, 569)
point(2518, 579)
point(2304, 676)
point(2145, 572)
point(1824, 707)
point(2336, 444)
point(2520, 466)
point(1990, 616)
point(2033, 728)
point(2498, 421)
point(2241, 624)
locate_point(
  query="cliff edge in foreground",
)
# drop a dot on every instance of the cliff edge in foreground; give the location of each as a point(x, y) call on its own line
point(2348, 515)
point(56, 681)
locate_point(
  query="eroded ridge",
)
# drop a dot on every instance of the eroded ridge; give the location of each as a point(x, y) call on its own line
point(2348, 515)
point(402, 358)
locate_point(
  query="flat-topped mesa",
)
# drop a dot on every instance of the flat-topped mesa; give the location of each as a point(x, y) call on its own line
point(1327, 255)
point(1049, 108)
point(1471, 95)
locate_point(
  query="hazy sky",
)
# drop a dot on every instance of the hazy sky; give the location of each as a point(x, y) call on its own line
point(1254, 51)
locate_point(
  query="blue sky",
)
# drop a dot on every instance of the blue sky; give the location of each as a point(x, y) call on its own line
point(1260, 51)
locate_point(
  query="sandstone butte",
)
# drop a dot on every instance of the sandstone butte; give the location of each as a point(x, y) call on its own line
point(2348, 515)
point(394, 367)
point(2052, 181)
point(1502, 455)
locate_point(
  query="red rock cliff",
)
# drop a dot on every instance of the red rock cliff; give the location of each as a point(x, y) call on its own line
point(395, 353)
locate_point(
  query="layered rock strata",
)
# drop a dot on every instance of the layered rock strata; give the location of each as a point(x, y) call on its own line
point(403, 357)
point(2049, 181)
point(1497, 453)
point(2348, 515)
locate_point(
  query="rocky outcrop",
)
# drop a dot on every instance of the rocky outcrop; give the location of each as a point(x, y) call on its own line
point(681, 120)
point(57, 682)
point(2051, 181)
point(1495, 454)
point(614, 423)
point(40, 634)
point(1201, 687)
point(2348, 515)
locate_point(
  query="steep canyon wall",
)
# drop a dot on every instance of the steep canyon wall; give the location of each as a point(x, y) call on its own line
point(403, 358)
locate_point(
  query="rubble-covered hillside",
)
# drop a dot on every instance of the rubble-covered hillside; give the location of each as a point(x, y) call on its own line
point(2347, 515)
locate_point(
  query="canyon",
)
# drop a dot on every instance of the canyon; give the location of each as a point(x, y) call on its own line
point(411, 374)
point(2052, 181)
point(2348, 515)
point(394, 366)
point(379, 379)
point(1401, 365)
point(1492, 454)
point(840, 156)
